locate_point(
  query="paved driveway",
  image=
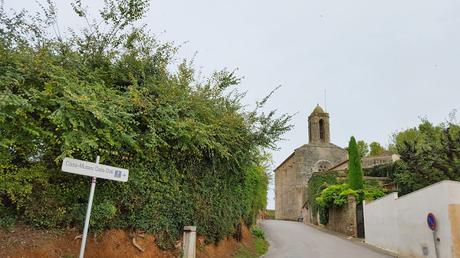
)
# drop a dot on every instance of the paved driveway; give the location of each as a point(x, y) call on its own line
point(295, 239)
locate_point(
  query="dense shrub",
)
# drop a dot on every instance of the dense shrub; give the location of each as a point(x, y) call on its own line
point(7, 217)
point(337, 195)
point(195, 154)
point(429, 154)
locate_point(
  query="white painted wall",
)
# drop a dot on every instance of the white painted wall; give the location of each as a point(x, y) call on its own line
point(399, 224)
point(381, 224)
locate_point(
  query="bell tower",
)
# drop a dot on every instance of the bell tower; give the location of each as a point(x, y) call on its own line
point(318, 126)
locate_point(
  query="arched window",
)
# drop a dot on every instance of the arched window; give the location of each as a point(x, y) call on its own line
point(321, 130)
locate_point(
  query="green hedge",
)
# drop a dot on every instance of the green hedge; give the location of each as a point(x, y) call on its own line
point(195, 153)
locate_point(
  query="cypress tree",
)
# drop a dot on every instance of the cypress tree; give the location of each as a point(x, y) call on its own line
point(355, 172)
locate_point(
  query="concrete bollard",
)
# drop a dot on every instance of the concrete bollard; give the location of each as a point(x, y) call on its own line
point(189, 242)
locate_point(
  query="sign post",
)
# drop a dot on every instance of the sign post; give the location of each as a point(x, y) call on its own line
point(88, 213)
point(94, 170)
point(431, 221)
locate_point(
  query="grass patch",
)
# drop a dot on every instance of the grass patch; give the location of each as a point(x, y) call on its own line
point(261, 246)
point(258, 248)
point(244, 252)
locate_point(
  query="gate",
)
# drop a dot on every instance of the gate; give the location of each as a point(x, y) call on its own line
point(360, 220)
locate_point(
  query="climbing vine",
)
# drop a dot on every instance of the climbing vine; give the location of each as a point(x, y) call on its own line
point(316, 184)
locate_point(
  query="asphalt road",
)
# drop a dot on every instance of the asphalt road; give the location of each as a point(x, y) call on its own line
point(295, 239)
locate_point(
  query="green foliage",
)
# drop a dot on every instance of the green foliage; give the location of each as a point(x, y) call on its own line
point(372, 193)
point(260, 248)
point(257, 232)
point(16, 184)
point(317, 183)
point(383, 170)
point(260, 245)
point(429, 154)
point(372, 149)
point(255, 190)
point(323, 215)
point(376, 149)
point(337, 195)
point(355, 172)
point(102, 214)
point(363, 148)
point(195, 154)
point(7, 217)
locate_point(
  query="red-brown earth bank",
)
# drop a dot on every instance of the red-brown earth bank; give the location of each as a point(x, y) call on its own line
point(23, 241)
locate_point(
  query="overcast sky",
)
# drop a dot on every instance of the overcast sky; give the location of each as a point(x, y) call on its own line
point(384, 64)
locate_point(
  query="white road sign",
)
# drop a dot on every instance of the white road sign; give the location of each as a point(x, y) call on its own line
point(86, 168)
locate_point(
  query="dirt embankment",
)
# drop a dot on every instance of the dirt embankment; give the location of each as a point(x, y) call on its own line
point(27, 242)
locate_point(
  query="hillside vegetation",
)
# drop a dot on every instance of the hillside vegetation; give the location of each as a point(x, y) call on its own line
point(195, 153)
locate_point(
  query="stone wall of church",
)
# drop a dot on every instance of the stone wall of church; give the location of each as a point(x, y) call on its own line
point(286, 190)
point(316, 158)
point(291, 178)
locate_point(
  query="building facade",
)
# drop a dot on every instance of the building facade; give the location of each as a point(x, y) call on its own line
point(292, 175)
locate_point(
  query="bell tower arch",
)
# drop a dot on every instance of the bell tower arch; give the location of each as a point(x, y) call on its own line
point(318, 126)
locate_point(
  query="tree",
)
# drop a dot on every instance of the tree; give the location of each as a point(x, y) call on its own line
point(429, 154)
point(376, 149)
point(355, 172)
point(363, 148)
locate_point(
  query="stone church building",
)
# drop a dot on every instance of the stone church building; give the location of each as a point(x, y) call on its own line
point(292, 175)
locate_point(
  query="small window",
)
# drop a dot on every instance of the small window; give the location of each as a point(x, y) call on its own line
point(321, 129)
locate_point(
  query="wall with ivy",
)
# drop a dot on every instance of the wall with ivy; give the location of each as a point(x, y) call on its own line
point(317, 183)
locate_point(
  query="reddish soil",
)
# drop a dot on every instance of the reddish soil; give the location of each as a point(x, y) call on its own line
point(26, 242)
point(225, 248)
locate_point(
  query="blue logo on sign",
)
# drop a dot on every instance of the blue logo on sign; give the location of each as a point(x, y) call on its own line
point(431, 221)
point(117, 173)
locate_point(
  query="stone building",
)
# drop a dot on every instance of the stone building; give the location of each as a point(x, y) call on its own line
point(370, 166)
point(369, 162)
point(291, 176)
